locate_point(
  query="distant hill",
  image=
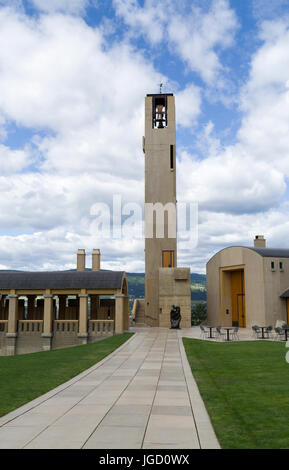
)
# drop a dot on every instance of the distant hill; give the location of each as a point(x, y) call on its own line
point(136, 285)
point(10, 271)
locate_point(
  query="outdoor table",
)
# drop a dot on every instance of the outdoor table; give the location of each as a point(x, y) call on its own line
point(211, 329)
point(286, 329)
point(263, 328)
point(228, 333)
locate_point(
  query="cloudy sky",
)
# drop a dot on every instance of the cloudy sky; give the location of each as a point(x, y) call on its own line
point(73, 76)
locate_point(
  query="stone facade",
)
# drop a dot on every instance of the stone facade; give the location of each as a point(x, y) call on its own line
point(174, 289)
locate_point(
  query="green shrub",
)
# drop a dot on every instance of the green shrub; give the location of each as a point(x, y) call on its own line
point(199, 313)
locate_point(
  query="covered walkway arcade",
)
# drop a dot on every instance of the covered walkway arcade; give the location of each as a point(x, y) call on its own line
point(48, 310)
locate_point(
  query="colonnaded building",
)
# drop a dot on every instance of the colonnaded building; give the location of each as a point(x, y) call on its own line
point(248, 286)
point(49, 310)
point(165, 283)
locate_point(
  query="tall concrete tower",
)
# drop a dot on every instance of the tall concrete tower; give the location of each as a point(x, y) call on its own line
point(159, 146)
point(160, 187)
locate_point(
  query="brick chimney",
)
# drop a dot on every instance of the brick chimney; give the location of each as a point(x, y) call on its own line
point(96, 260)
point(81, 260)
point(259, 241)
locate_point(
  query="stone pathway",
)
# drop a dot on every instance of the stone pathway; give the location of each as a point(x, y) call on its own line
point(141, 396)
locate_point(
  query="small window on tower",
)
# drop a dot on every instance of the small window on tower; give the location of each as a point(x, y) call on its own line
point(172, 157)
point(160, 117)
point(281, 266)
point(272, 266)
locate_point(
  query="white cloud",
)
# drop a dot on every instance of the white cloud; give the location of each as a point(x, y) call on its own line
point(265, 126)
point(15, 4)
point(249, 176)
point(56, 249)
point(231, 182)
point(207, 141)
point(49, 71)
point(149, 20)
point(196, 36)
point(266, 9)
point(218, 230)
point(60, 76)
point(66, 6)
point(61, 79)
point(3, 129)
point(188, 106)
point(13, 161)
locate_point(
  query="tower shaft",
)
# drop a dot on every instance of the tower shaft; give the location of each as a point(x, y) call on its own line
point(160, 197)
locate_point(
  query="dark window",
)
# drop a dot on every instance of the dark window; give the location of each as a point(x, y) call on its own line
point(172, 157)
point(272, 265)
point(281, 266)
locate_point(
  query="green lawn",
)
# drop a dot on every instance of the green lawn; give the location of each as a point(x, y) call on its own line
point(25, 377)
point(245, 387)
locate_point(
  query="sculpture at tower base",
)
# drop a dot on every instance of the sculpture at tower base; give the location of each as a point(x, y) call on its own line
point(175, 317)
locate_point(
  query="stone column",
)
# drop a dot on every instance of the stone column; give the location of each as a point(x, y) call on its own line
point(119, 313)
point(126, 324)
point(83, 318)
point(12, 324)
point(47, 323)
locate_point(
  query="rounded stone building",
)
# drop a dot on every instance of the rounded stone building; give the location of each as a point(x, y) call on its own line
point(248, 285)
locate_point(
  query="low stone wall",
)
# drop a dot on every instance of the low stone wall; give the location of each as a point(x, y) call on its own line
point(65, 334)
point(29, 337)
point(3, 340)
point(99, 329)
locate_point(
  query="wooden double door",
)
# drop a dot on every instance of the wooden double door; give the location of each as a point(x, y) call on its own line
point(238, 299)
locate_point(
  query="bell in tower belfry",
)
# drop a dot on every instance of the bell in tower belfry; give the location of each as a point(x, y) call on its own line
point(159, 106)
point(165, 284)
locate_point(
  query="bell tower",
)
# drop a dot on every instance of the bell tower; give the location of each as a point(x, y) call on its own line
point(159, 146)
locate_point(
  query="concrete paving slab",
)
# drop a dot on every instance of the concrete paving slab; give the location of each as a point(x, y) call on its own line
point(15, 437)
point(116, 437)
point(41, 420)
point(115, 419)
point(62, 437)
point(169, 436)
point(88, 410)
point(172, 421)
point(172, 410)
point(133, 409)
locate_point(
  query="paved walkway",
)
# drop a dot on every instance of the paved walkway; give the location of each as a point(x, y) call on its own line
point(141, 396)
